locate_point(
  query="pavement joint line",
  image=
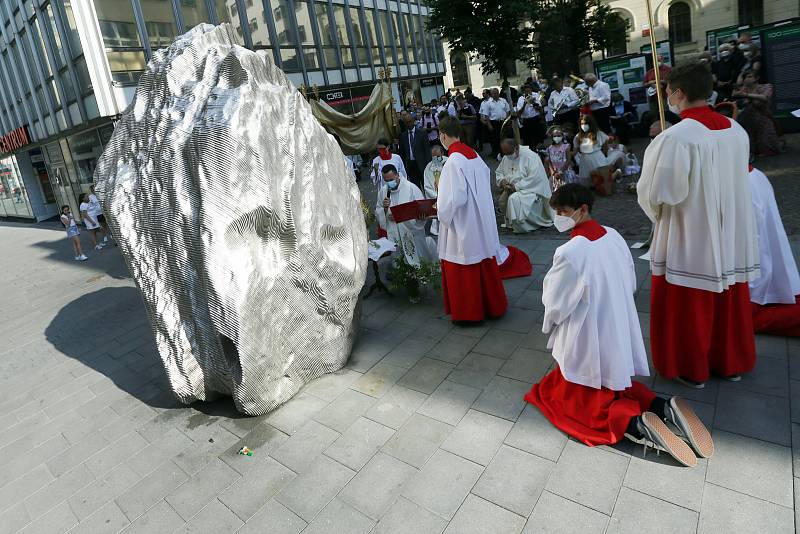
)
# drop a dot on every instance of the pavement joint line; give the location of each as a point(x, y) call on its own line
point(750, 496)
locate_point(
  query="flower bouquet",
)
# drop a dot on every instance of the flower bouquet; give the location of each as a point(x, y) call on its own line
point(414, 279)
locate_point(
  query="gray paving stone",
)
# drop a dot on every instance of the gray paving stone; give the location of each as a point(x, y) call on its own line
point(795, 400)
point(13, 519)
point(394, 409)
point(554, 514)
point(339, 516)
point(473, 331)
point(57, 520)
point(22, 465)
point(758, 416)
point(160, 519)
point(204, 451)
point(213, 519)
point(359, 443)
point(752, 467)
point(661, 477)
point(535, 340)
point(450, 402)
point(527, 365)
point(122, 425)
point(796, 447)
point(248, 494)
point(426, 375)
point(530, 300)
point(371, 348)
point(380, 379)
point(159, 451)
point(263, 440)
point(503, 397)
point(58, 490)
point(731, 512)
point(476, 370)
point(452, 348)
point(331, 385)
point(201, 489)
point(518, 320)
point(771, 347)
point(671, 387)
point(410, 351)
point(108, 519)
point(770, 377)
point(662, 517)
point(477, 437)
point(533, 433)
point(98, 493)
point(514, 480)
point(116, 453)
point(313, 489)
point(274, 518)
point(478, 516)
point(589, 476)
point(406, 517)
point(443, 483)
point(151, 489)
point(417, 440)
point(344, 411)
point(295, 413)
point(297, 452)
point(499, 343)
point(377, 485)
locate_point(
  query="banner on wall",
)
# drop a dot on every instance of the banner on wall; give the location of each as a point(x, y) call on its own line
point(625, 75)
point(780, 46)
point(664, 48)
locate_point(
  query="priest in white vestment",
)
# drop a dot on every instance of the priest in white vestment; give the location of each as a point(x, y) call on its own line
point(433, 171)
point(408, 235)
point(694, 187)
point(468, 242)
point(776, 294)
point(597, 342)
point(385, 157)
point(525, 188)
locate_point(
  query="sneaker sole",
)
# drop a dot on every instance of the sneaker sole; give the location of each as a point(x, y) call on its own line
point(694, 429)
point(690, 384)
point(668, 441)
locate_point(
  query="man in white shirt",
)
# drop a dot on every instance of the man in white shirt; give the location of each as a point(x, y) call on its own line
point(408, 235)
point(472, 288)
point(529, 110)
point(493, 112)
point(775, 296)
point(524, 201)
point(563, 103)
point(599, 101)
point(595, 337)
point(694, 187)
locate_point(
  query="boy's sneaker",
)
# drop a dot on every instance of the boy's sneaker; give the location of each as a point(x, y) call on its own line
point(77, 258)
point(105, 239)
point(98, 247)
point(679, 413)
point(691, 383)
point(732, 378)
point(653, 433)
point(82, 257)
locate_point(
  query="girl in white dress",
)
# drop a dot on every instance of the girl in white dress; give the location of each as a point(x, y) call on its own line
point(590, 149)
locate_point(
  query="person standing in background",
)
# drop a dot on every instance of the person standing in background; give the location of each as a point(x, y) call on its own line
point(415, 151)
point(493, 112)
point(599, 101)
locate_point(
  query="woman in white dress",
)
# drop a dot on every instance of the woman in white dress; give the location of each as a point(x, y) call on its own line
point(590, 149)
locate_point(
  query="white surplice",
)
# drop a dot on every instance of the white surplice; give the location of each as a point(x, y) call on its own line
point(431, 169)
point(694, 187)
point(409, 235)
point(779, 282)
point(590, 313)
point(376, 171)
point(467, 224)
point(528, 208)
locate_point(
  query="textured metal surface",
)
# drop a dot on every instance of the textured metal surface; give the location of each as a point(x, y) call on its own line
point(239, 222)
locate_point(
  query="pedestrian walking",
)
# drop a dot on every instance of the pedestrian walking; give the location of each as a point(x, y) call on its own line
point(73, 232)
point(89, 221)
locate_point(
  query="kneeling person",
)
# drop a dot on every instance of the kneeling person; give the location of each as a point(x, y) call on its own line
point(524, 188)
point(596, 340)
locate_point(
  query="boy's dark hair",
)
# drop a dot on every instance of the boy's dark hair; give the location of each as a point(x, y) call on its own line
point(450, 126)
point(388, 168)
point(572, 196)
point(383, 141)
point(693, 79)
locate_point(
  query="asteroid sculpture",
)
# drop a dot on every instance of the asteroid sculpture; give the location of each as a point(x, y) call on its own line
point(239, 222)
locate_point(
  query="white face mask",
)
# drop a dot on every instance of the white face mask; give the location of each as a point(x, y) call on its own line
point(585, 127)
point(724, 54)
point(563, 223)
point(673, 108)
point(748, 54)
point(557, 139)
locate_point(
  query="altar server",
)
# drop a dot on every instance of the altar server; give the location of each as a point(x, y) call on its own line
point(408, 235)
point(596, 340)
point(433, 172)
point(468, 242)
point(385, 157)
point(695, 189)
point(525, 189)
point(775, 296)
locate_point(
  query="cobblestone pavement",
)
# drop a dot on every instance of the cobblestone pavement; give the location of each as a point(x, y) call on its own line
point(424, 431)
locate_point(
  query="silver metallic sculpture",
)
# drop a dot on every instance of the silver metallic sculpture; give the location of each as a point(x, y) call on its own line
point(239, 222)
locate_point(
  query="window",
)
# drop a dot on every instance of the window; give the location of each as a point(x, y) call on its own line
point(161, 26)
point(222, 11)
point(458, 66)
point(124, 49)
point(751, 12)
point(340, 19)
point(194, 12)
point(74, 37)
point(51, 29)
point(620, 27)
point(326, 35)
point(419, 38)
point(409, 32)
point(259, 33)
point(680, 23)
point(397, 28)
point(360, 38)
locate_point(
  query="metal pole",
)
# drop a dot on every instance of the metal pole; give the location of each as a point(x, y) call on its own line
point(656, 69)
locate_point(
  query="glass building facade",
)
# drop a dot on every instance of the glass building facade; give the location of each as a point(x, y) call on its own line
point(68, 68)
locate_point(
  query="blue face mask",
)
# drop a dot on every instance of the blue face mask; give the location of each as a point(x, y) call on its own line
point(393, 184)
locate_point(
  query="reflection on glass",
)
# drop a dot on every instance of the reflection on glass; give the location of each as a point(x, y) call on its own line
point(85, 149)
point(310, 55)
point(14, 200)
point(194, 12)
point(56, 37)
point(84, 81)
point(126, 65)
point(258, 32)
point(360, 38)
point(225, 13)
point(303, 17)
point(72, 29)
point(283, 25)
point(290, 60)
point(419, 38)
point(161, 25)
point(409, 32)
point(340, 19)
point(38, 43)
point(397, 26)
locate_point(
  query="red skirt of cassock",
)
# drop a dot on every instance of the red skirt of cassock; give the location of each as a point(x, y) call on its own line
point(473, 292)
point(592, 416)
point(695, 332)
point(517, 264)
point(777, 319)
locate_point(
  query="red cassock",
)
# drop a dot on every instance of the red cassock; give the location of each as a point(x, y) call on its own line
point(517, 265)
point(696, 332)
point(473, 292)
point(592, 416)
point(777, 319)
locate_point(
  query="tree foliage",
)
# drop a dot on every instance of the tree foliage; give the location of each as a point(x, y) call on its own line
point(549, 34)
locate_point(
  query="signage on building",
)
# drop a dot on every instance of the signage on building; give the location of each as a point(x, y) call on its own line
point(427, 82)
point(14, 140)
point(783, 64)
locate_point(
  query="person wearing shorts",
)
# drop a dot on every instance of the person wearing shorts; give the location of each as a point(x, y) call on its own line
point(96, 211)
point(91, 223)
point(73, 232)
